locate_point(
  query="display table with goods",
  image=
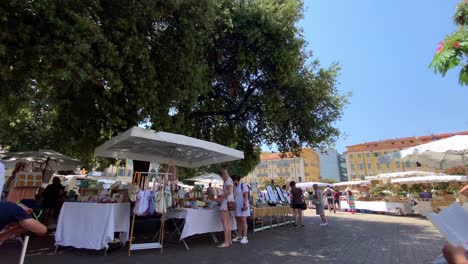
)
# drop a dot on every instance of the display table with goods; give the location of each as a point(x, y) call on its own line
point(270, 209)
point(92, 225)
point(198, 221)
point(383, 206)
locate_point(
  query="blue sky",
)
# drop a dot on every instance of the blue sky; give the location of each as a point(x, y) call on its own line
point(385, 48)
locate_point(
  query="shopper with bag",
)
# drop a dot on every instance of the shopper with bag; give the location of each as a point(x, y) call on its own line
point(297, 203)
point(227, 204)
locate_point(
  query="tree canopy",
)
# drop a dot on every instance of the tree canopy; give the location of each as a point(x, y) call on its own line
point(75, 73)
point(452, 51)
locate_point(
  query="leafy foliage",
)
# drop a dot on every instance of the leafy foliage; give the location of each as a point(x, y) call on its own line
point(452, 52)
point(75, 73)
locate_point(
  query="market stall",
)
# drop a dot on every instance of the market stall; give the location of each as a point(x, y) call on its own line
point(175, 150)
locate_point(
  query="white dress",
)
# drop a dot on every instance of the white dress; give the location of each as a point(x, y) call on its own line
point(223, 205)
point(239, 191)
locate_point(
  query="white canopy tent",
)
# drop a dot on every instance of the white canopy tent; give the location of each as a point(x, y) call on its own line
point(431, 179)
point(307, 185)
point(444, 153)
point(352, 183)
point(139, 143)
point(142, 144)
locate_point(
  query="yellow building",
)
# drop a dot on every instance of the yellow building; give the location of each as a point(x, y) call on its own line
point(363, 159)
point(299, 169)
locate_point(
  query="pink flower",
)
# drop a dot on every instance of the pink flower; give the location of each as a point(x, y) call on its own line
point(440, 46)
point(456, 45)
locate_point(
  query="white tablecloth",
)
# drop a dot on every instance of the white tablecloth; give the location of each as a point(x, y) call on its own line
point(92, 225)
point(379, 206)
point(200, 221)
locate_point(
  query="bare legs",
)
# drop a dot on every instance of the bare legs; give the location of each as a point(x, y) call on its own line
point(226, 221)
point(242, 226)
point(324, 221)
point(299, 219)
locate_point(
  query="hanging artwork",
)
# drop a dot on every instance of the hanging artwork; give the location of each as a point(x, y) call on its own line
point(26, 179)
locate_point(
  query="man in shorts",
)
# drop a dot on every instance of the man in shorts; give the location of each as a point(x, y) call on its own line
point(15, 219)
point(329, 194)
point(336, 200)
point(319, 207)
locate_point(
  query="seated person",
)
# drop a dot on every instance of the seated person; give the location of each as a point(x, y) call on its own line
point(15, 219)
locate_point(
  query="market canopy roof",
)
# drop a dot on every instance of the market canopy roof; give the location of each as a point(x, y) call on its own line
point(55, 161)
point(346, 183)
point(310, 184)
point(443, 153)
point(431, 179)
point(402, 174)
point(139, 143)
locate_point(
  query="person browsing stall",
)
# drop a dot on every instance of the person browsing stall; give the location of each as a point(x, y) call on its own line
point(319, 206)
point(297, 203)
point(223, 200)
point(241, 194)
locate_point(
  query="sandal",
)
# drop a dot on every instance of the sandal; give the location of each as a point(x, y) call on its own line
point(223, 245)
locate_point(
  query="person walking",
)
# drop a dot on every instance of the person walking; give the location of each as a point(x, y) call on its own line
point(319, 207)
point(223, 201)
point(241, 195)
point(329, 195)
point(336, 200)
point(297, 203)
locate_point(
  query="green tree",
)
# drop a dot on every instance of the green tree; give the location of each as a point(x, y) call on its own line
point(452, 52)
point(75, 73)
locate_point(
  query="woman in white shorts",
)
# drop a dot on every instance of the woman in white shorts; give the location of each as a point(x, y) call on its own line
point(223, 203)
point(241, 195)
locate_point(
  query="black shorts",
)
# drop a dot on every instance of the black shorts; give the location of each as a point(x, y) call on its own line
point(337, 200)
point(297, 206)
point(330, 200)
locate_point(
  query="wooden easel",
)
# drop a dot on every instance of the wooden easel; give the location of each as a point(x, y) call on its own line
point(163, 180)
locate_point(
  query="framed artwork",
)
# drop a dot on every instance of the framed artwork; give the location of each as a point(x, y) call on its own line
point(271, 194)
point(280, 194)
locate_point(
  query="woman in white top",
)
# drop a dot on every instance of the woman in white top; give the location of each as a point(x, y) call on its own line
point(241, 194)
point(223, 202)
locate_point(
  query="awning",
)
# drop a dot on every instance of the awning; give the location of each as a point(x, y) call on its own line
point(139, 143)
point(431, 179)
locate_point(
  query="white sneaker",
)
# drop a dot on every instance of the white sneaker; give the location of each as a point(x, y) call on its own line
point(237, 239)
point(244, 240)
point(324, 224)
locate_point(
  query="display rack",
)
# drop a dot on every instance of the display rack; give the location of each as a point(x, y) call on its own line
point(143, 182)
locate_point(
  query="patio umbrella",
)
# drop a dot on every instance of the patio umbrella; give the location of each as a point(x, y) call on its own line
point(444, 153)
point(46, 158)
point(139, 143)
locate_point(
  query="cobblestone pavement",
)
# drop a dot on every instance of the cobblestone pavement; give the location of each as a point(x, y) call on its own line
point(359, 238)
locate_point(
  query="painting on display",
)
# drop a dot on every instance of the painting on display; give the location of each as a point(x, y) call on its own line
point(271, 194)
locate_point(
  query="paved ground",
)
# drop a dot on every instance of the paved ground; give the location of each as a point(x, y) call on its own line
point(360, 238)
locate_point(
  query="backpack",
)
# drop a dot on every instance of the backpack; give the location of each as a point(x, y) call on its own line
point(329, 193)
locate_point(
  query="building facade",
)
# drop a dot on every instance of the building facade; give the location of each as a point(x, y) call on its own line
point(329, 165)
point(363, 159)
point(299, 169)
